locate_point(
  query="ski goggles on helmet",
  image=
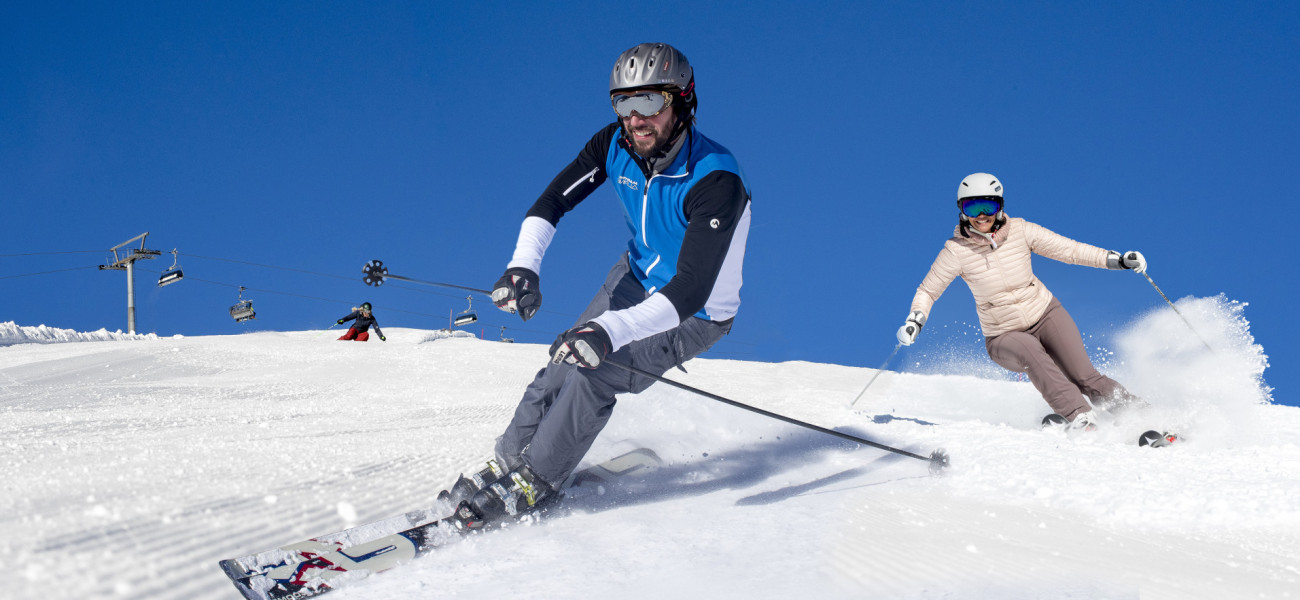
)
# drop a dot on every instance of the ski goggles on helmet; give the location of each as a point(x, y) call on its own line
point(644, 104)
point(980, 205)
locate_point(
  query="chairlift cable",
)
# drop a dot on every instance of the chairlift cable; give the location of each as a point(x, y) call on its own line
point(244, 262)
point(48, 253)
point(46, 272)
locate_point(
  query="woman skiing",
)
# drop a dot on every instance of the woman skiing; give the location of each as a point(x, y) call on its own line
point(1026, 329)
point(360, 331)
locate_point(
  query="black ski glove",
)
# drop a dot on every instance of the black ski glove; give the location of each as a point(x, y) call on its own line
point(519, 290)
point(584, 345)
point(383, 339)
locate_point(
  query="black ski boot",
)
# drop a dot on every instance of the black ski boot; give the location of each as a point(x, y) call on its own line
point(465, 487)
point(519, 493)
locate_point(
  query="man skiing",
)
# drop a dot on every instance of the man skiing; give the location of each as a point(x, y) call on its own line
point(1026, 329)
point(360, 331)
point(671, 296)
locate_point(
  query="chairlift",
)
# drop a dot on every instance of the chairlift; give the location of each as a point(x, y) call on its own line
point(243, 310)
point(172, 274)
point(503, 336)
point(467, 316)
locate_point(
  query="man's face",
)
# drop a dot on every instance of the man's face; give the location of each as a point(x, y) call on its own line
point(650, 135)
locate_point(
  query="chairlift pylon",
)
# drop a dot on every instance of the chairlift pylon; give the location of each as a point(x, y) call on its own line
point(466, 316)
point(172, 274)
point(243, 310)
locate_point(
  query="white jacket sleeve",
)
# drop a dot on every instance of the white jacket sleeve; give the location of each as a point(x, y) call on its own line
point(534, 238)
point(942, 272)
point(655, 315)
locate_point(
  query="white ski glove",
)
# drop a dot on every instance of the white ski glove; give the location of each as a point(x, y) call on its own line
point(911, 328)
point(1129, 260)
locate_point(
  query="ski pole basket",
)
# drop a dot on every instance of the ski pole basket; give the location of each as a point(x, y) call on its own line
point(243, 310)
point(375, 272)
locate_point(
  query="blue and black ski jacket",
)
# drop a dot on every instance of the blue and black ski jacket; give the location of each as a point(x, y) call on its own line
point(689, 223)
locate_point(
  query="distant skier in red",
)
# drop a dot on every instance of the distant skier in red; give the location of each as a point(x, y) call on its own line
point(360, 331)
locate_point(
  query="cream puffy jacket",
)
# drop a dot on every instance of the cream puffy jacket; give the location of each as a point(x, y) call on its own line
point(1007, 295)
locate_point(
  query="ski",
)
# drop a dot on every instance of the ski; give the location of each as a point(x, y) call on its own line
point(313, 567)
point(1152, 438)
point(1156, 439)
point(255, 564)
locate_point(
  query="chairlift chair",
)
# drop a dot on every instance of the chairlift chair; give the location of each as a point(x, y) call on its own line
point(172, 274)
point(467, 316)
point(243, 310)
point(503, 336)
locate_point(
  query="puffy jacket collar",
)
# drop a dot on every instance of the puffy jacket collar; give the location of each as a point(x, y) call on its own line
point(995, 239)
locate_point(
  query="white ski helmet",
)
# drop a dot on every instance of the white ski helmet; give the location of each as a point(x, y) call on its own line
point(979, 184)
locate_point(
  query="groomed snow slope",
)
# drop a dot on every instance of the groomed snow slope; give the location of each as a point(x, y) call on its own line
point(130, 466)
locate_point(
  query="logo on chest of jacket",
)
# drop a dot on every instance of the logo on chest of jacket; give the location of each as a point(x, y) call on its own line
point(624, 180)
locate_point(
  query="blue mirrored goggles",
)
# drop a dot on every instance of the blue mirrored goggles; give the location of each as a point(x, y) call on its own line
point(644, 104)
point(981, 205)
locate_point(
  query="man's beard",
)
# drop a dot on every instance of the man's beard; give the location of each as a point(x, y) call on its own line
point(654, 146)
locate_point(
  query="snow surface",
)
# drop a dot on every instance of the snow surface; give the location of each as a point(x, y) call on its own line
point(131, 464)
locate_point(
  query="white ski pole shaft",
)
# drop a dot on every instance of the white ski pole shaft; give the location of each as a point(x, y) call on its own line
point(878, 372)
point(1180, 315)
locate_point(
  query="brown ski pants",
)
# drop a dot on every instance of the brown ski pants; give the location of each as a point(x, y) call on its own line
point(1052, 354)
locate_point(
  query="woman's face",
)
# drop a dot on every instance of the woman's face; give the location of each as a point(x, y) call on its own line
point(983, 223)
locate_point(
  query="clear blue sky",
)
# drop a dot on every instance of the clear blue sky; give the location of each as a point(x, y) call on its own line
point(280, 146)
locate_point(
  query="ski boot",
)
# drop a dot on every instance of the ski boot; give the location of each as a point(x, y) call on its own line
point(1082, 422)
point(515, 495)
point(465, 519)
point(465, 487)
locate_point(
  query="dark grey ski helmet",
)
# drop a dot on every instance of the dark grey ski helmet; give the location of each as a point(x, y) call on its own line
point(657, 66)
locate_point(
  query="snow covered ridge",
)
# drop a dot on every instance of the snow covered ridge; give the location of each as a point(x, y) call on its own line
point(443, 334)
point(12, 333)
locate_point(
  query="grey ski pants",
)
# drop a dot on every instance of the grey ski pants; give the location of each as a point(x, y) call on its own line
point(565, 407)
point(1052, 354)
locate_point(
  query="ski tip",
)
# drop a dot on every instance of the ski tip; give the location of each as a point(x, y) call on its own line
point(1053, 420)
point(233, 569)
point(1156, 439)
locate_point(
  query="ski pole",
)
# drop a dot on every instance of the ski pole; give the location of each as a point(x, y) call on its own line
point(878, 371)
point(1180, 315)
point(327, 329)
point(938, 459)
point(376, 273)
